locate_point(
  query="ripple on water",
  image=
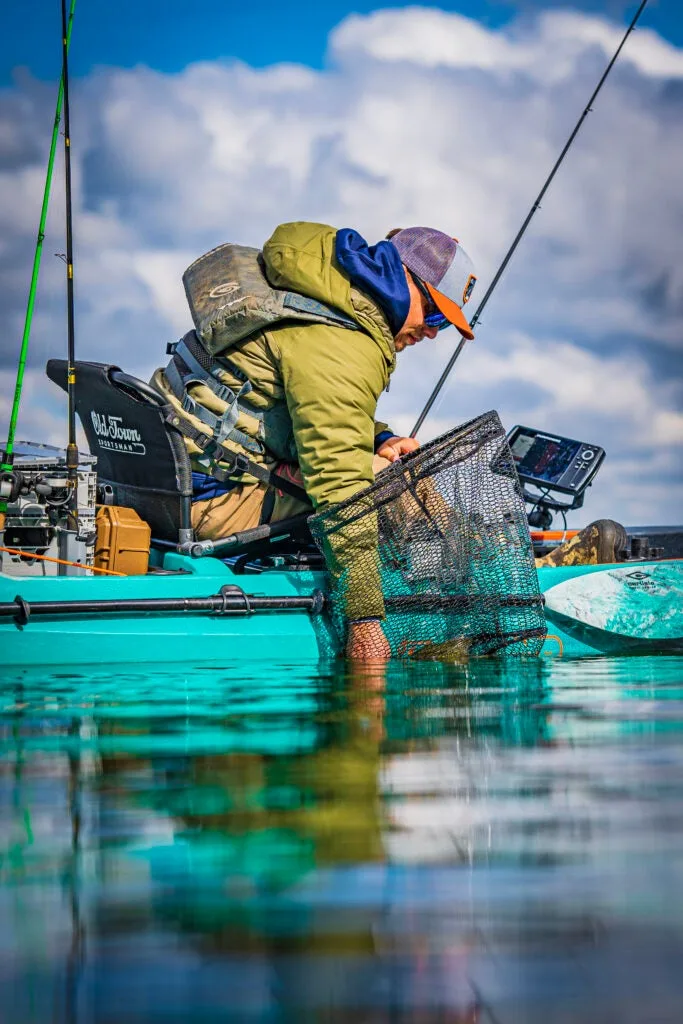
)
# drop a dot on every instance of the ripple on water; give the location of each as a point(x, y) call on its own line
point(494, 841)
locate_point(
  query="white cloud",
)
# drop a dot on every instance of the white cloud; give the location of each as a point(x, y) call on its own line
point(552, 52)
point(422, 116)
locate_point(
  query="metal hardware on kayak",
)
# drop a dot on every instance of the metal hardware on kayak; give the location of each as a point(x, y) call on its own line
point(37, 514)
point(522, 231)
point(641, 550)
point(267, 531)
point(230, 600)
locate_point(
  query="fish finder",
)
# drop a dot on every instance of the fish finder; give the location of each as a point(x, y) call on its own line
point(554, 465)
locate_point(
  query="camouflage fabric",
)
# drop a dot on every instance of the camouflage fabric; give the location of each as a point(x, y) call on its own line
point(230, 298)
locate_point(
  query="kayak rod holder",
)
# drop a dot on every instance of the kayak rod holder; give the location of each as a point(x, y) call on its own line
point(281, 529)
point(230, 600)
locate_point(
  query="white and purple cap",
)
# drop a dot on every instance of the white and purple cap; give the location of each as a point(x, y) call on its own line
point(444, 268)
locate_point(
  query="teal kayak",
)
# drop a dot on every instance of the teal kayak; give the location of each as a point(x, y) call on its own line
point(590, 610)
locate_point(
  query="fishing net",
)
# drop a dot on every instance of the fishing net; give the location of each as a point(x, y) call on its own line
point(439, 549)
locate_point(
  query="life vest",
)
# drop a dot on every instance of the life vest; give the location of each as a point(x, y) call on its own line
point(230, 299)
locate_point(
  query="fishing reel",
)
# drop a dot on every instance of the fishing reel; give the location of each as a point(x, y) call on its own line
point(54, 490)
point(11, 482)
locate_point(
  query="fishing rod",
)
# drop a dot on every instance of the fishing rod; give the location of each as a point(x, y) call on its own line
point(522, 231)
point(72, 457)
point(7, 460)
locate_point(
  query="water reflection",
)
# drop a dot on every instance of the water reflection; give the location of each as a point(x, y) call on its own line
point(485, 842)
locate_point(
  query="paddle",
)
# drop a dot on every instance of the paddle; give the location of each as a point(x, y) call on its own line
point(643, 601)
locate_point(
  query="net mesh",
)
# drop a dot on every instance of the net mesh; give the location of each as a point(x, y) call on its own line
point(439, 545)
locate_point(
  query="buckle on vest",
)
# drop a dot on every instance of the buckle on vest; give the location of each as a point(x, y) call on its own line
point(234, 462)
point(241, 464)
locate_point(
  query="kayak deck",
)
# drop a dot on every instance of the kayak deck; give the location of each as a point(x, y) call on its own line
point(181, 636)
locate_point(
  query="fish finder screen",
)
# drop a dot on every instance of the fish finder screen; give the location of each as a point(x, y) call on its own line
point(552, 462)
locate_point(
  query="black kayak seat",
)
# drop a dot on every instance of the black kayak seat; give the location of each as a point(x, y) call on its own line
point(142, 462)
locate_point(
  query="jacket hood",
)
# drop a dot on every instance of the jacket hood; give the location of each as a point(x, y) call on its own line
point(301, 256)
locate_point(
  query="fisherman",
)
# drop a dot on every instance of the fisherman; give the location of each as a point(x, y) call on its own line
point(298, 399)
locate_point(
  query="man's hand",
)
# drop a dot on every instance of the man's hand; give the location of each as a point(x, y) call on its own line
point(394, 447)
point(367, 642)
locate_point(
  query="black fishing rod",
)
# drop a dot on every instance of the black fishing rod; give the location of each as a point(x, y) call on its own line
point(72, 457)
point(536, 205)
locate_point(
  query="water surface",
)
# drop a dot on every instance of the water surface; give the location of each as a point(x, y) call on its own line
point(497, 842)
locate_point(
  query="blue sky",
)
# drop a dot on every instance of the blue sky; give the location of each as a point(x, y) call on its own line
point(371, 117)
point(170, 34)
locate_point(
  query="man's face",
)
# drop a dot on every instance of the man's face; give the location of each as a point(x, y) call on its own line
point(414, 329)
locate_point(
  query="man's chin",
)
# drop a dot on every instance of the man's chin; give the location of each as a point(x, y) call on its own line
point(401, 343)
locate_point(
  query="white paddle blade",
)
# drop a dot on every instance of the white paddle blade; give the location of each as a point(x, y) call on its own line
point(644, 602)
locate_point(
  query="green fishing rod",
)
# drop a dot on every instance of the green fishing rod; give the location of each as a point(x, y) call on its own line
point(522, 231)
point(8, 454)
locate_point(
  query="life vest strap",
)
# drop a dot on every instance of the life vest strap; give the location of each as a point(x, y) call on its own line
point(304, 304)
point(236, 463)
point(222, 427)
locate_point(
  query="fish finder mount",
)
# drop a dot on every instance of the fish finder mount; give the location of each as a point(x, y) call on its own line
point(559, 468)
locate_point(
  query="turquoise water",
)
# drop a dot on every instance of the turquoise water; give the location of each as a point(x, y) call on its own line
point(493, 842)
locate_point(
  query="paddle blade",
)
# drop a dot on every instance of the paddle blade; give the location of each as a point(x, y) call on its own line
point(644, 602)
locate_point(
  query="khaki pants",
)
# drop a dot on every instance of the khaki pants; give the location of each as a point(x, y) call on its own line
point(241, 508)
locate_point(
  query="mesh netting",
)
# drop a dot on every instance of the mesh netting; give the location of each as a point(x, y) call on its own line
point(440, 545)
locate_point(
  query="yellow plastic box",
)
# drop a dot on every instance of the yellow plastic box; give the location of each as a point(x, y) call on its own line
point(122, 543)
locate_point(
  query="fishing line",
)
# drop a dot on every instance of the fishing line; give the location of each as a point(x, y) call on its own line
point(536, 205)
point(72, 457)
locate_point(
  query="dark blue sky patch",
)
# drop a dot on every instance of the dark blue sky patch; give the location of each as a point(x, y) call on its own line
point(170, 34)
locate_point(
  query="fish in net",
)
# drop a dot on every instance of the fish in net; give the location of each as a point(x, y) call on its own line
point(438, 549)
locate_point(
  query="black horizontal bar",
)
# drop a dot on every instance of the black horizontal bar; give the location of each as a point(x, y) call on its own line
point(266, 531)
point(232, 601)
point(434, 602)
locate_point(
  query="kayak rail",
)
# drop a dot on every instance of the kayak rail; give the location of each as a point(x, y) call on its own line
point(230, 600)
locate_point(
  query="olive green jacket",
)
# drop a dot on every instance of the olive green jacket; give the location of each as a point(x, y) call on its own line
point(317, 386)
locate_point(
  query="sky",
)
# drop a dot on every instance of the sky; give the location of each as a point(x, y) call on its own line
point(195, 124)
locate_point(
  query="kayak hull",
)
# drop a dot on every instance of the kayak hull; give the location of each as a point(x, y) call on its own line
point(177, 637)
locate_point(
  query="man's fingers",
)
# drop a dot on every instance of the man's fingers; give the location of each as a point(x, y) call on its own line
point(393, 449)
point(409, 444)
point(389, 453)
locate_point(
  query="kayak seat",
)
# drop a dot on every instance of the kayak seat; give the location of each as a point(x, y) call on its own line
point(142, 462)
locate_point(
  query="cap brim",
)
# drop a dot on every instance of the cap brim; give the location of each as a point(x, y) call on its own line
point(451, 310)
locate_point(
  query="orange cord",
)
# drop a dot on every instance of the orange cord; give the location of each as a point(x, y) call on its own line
point(553, 534)
point(60, 561)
